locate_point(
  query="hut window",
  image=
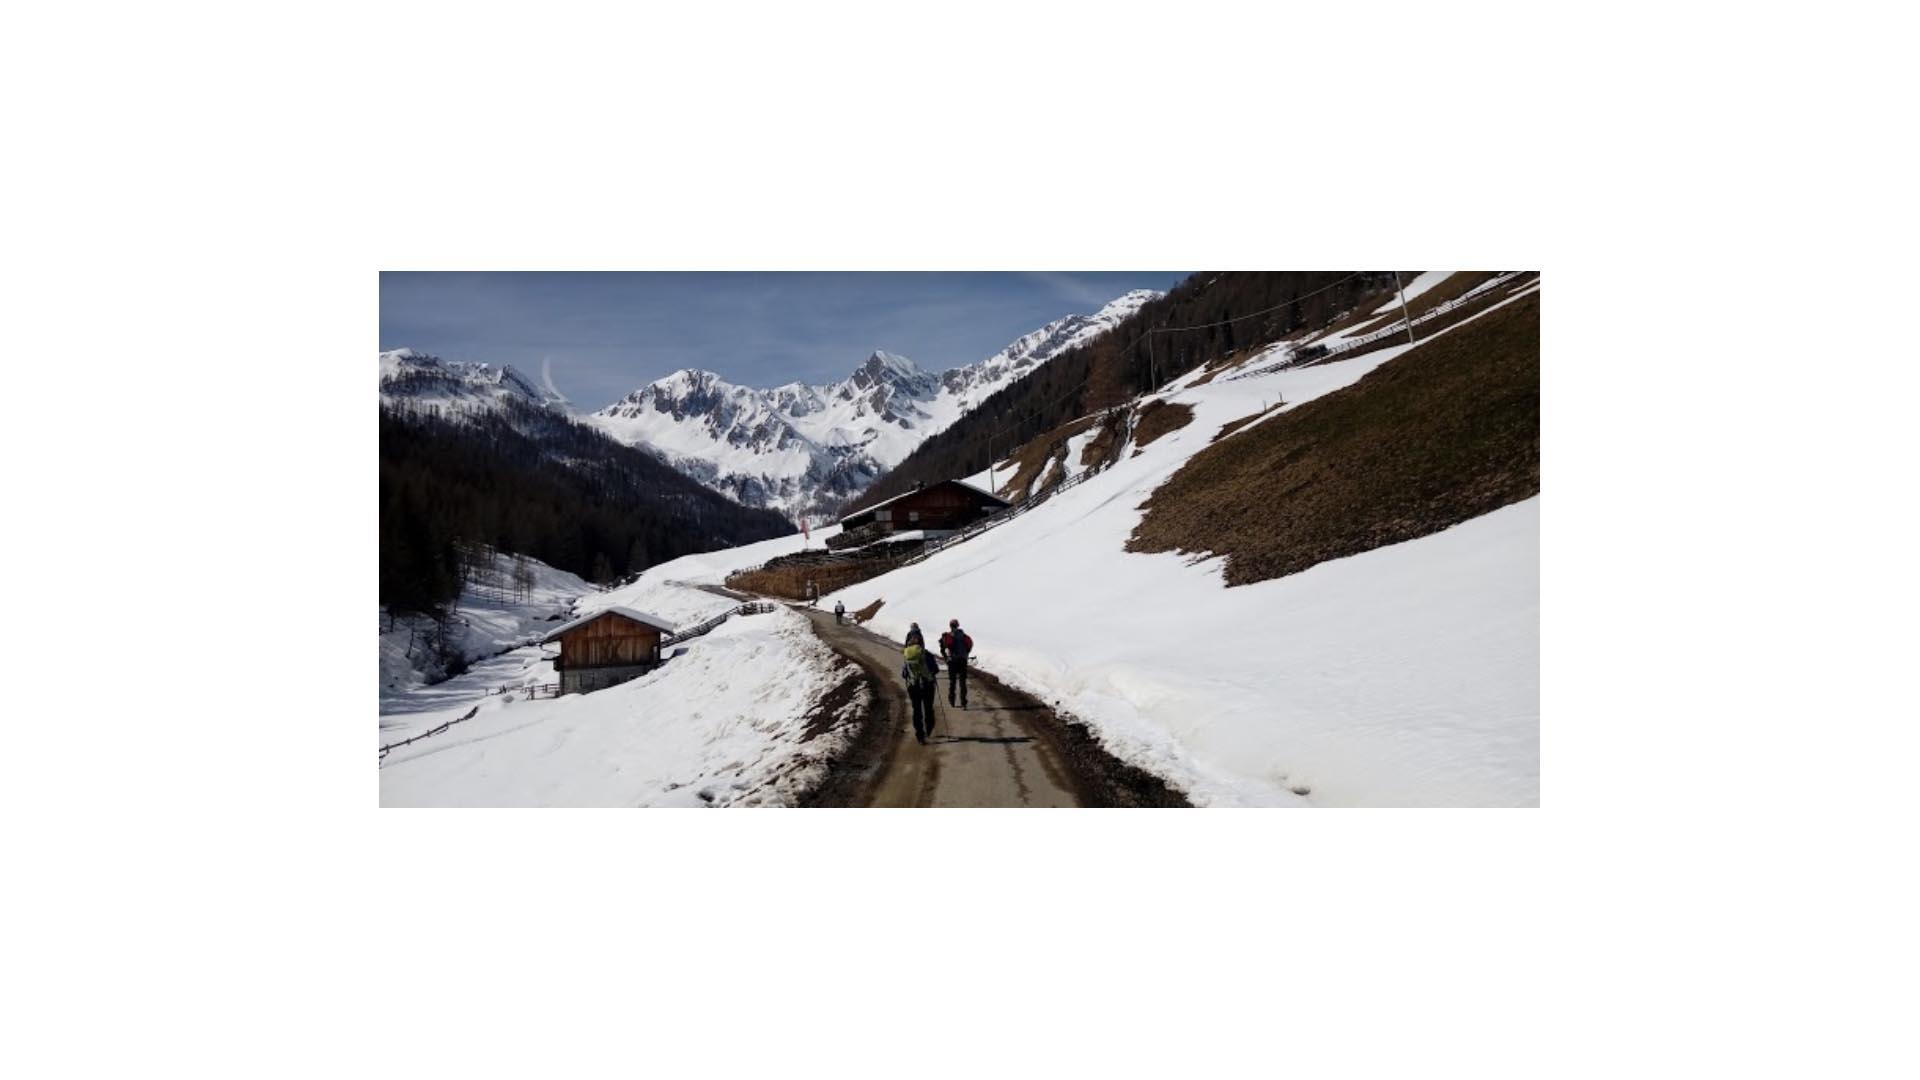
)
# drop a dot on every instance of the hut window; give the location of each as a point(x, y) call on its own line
point(883, 515)
point(913, 516)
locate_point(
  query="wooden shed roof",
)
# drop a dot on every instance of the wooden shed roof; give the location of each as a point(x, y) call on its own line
point(642, 617)
point(987, 495)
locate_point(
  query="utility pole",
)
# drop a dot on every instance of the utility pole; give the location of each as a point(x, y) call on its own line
point(1404, 313)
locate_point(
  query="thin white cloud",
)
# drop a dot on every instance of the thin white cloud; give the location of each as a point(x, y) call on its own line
point(1072, 288)
point(546, 377)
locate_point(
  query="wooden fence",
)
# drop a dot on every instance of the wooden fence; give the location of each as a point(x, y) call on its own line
point(1320, 354)
point(426, 734)
point(1010, 513)
point(532, 690)
point(751, 607)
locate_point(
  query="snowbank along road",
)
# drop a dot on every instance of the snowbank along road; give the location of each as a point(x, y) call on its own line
point(1006, 749)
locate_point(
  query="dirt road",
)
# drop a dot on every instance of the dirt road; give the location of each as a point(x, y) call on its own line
point(1006, 749)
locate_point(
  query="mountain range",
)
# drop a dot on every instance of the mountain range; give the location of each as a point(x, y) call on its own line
point(800, 449)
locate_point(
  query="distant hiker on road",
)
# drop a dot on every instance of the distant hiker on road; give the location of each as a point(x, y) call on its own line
point(955, 647)
point(839, 612)
point(922, 673)
point(914, 637)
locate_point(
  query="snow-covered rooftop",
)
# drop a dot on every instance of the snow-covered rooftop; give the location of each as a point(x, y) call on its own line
point(654, 621)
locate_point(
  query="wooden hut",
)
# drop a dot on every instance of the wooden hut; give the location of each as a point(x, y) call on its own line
point(607, 648)
point(941, 507)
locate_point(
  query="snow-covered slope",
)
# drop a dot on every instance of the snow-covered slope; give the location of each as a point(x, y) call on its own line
point(800, 448)
point(720, 724)
point(491, 616)
point(725, 722)
point(671, 587)
point(453, 386)
point(1408, 674)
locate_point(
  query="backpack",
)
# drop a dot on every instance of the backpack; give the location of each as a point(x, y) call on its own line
point(960, 646)
point(921, 667)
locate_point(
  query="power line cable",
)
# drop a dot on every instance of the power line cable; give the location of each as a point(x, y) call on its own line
point(1143, 335)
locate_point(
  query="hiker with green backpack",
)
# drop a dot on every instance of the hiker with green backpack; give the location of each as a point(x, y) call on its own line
point(922, 673)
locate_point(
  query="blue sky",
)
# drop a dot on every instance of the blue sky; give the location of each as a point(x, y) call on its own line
point(601, 335)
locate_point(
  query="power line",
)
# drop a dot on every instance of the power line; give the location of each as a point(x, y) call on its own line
point(1262, 311)
point(1143, 335)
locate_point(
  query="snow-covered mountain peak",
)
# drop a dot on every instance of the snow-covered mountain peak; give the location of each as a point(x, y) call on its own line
point(1032, 350)
point(885, 372)
point(690, 379)
point(883, 362)
point(1127, 303)
point(801, 447)
point(690, 386)
point(418, 378)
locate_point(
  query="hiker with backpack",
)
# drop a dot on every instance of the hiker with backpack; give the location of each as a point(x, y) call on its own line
point(914, 636)
point(839, 612)
point(922, 674)
point(955, 648)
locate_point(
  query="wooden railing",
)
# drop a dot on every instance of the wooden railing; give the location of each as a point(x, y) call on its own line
point(425, 734)
point(751, 607)
point(1320, 354)
point(532, 690)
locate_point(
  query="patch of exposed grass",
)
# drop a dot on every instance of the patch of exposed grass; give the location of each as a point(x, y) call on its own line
point(1446, 432)
point(1452, 318)
point(1221, 365)
point(1055, 474)
point(1232, 426)
point(868, 612)
point(1105, 442)
point(1033, 457)
point(1380, 323)
point(1358, 316)
point(1456, 285)
point(1361, 323)
point(1159, 418)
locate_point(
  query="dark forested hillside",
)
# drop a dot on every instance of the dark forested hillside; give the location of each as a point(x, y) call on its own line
point(531, 481)
point(1207, 317)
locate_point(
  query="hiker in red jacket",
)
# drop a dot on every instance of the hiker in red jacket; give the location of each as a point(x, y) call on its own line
point(955, 648)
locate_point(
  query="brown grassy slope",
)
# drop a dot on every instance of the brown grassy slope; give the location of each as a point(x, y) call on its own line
point(1232, 426)
point(1105, 442)
point(1034, 457)
point(1056, 474)
point(1363, 323)
point(1159, 418)
point(1222, 364)
point(1452, 318)
point(1446, 432)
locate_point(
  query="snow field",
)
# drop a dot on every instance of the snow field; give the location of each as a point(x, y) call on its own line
point(1407, 675)
point(720, 724)
point(486, 625)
